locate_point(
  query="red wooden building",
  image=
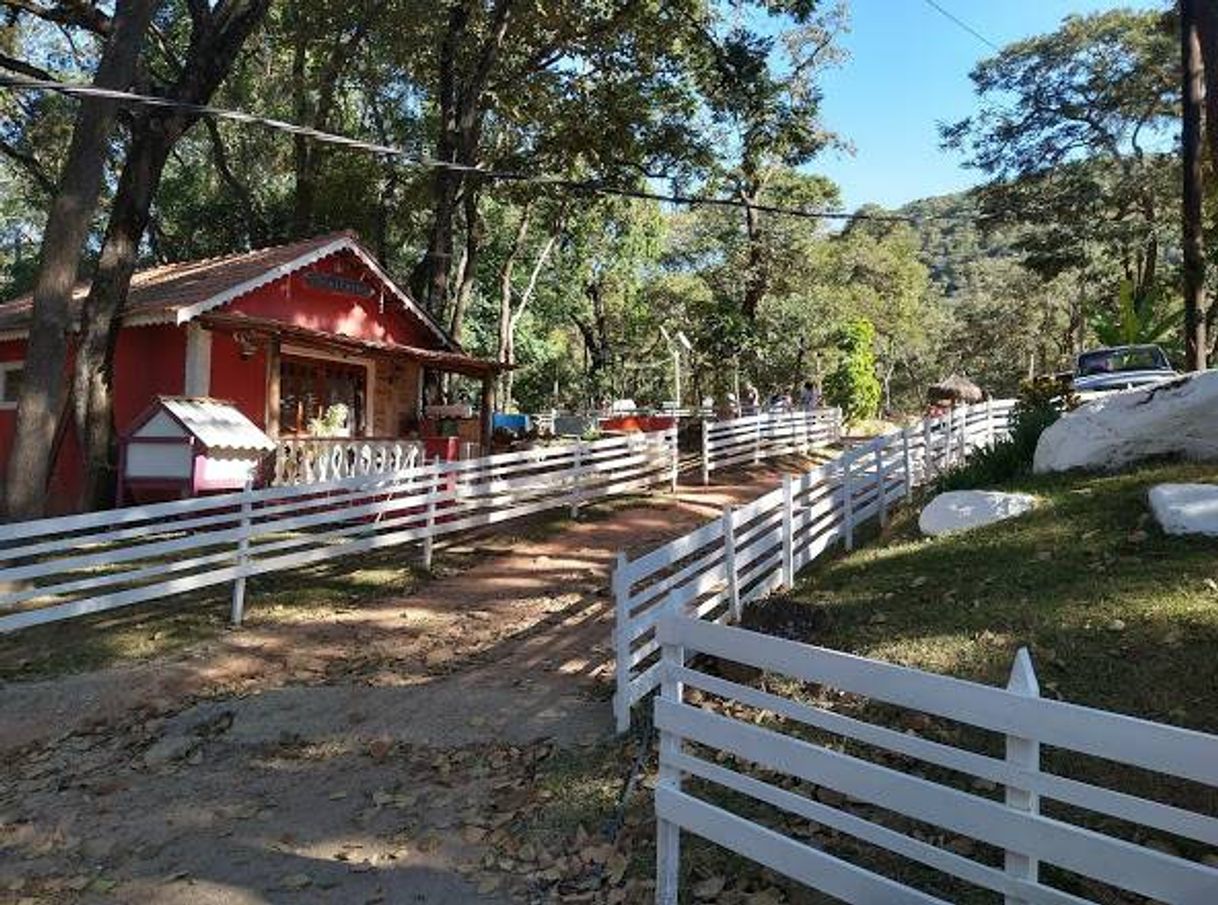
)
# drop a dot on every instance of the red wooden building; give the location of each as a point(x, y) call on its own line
point(284, 333)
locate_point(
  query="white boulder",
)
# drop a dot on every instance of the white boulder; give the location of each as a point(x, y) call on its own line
point(1186, 508)
point(1179, 417)
point(960, 510)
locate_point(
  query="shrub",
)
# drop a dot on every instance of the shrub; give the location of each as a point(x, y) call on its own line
point(853, 386)
point(1040, 403)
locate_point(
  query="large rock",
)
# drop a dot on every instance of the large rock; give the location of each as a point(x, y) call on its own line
point(960, 510)
point(1179, 417)
point(1186, 508)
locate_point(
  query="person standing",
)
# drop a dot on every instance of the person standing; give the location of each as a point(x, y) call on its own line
point(809, 398)
point(751, 399)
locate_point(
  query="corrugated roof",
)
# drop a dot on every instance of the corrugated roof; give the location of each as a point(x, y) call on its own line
point(217, 424)
point(179, 292)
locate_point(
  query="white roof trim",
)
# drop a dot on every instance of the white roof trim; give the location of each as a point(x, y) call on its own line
point(190, 312)
point(407, 302)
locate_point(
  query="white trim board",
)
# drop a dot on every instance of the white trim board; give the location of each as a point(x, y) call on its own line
point(5, 367)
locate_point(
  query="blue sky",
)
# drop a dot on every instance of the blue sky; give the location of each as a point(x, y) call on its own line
point(908, 70)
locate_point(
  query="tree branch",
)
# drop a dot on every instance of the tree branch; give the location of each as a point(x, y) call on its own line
point(12, 64)
point(30, 164)
point(70, 12)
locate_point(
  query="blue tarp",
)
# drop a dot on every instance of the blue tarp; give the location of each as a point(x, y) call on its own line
point(517, 424)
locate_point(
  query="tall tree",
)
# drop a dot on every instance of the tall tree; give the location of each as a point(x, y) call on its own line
point(1072, 118)
point(1192, 143)
point(1207, 26)
point(217, 34)
point(39, 405)
point(763, 88)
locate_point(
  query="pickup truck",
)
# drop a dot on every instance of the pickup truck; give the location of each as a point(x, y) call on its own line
point(1121, 368)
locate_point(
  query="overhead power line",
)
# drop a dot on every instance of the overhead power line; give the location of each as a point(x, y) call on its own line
point(409, 158)
point(948, 14)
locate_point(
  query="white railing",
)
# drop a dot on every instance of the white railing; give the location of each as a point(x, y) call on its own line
point(773, 748)
point(761, 436)
point(314, 460)
point(53, 569)
point(716, 570)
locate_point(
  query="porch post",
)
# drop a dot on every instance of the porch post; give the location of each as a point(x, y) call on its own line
point(488, 406)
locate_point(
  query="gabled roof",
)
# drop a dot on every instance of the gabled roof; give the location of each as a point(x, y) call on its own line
point(179, 292)
point(217, 424)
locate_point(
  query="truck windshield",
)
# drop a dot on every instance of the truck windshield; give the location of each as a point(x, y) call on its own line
point(1112, 361)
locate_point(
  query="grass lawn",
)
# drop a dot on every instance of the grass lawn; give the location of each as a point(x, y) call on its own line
point(1116, 614)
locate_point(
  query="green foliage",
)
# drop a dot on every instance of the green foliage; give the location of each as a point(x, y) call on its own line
point(1139, 318)
point(1040, 403)
point(853, 385)
point(332, 423)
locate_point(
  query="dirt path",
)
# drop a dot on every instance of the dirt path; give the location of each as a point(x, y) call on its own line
point(364, 756)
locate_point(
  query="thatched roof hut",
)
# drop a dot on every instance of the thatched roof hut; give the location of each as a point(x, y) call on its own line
point(955, 389)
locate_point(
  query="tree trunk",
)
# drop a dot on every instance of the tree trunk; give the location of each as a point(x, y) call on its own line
point(460, 98)
point(505, 301)
point(468, 277)
point(1207, 23)
point(41, 400)
point(433, 269)
point(756, 279)
point(215, 42)
point(94, 371)
point(1192, 149)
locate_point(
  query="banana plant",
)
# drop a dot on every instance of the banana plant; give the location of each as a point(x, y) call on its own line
point(1139, 318)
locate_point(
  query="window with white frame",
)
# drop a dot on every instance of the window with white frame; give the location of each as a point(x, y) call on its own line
point(11, 373)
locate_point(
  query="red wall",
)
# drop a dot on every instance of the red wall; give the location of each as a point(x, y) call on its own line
point(293, 301)
point(148, 362)
point(237, 380)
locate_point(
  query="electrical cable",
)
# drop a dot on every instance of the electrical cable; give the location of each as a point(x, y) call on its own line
point(408, 158)
point(948, 14)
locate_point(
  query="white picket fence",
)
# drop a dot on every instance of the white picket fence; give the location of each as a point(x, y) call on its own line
point(716, 570)
point(60, 568)
point(755, 437)
point(736, 742)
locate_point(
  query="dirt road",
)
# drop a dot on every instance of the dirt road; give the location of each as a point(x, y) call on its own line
point(368, 755)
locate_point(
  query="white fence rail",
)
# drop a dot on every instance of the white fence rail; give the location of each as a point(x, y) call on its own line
point(761, 436)
point(53, 569)
point(881, 779)
point(716, 570)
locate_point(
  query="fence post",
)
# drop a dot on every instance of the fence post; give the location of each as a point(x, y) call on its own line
point(668, 835)
point(848, 499)
point(243, 552)
point(429, 525)
point(676, 455)
point(881, 482)
point(928, 454)
point(729, 561)
point(788, 532)
point(989, 421)
point(948, 438)
point(705, 452)
point(576, 482)
point(907, 464)
point(964, 438)
point(757, 438)
point(1023, 753)
point(621, 643)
